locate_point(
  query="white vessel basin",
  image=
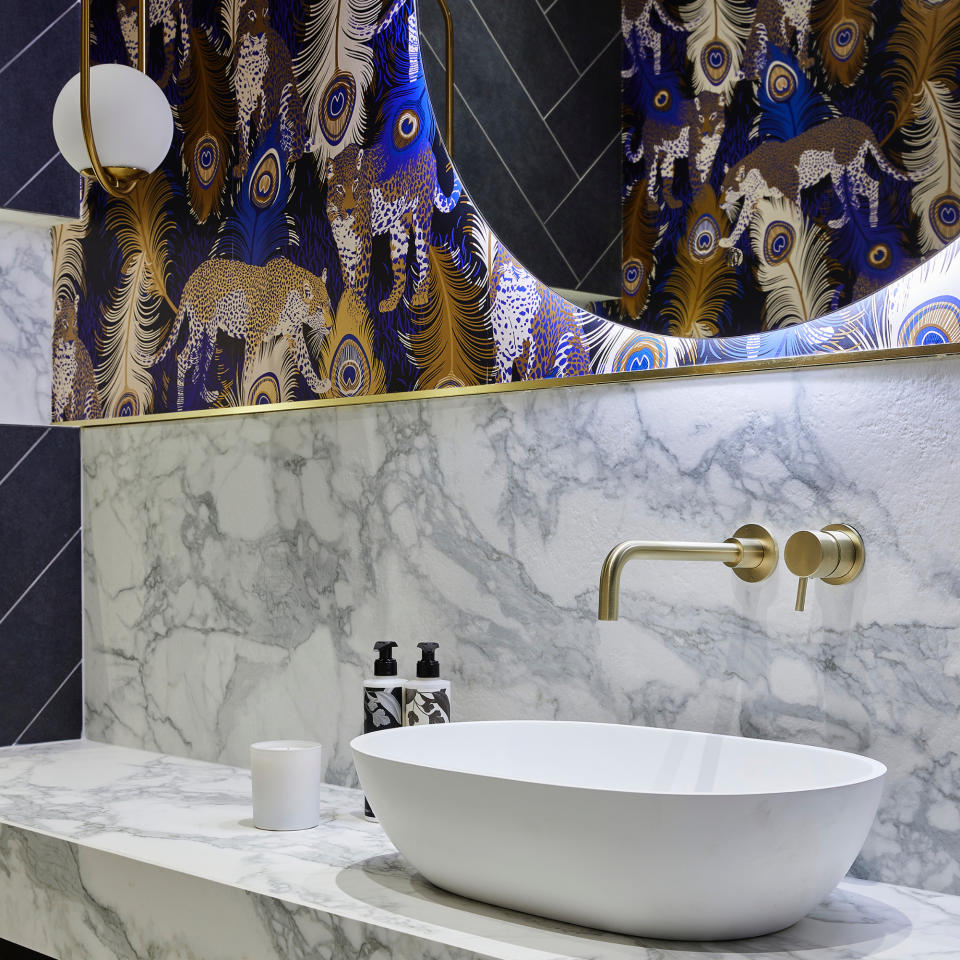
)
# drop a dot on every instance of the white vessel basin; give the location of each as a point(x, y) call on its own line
point(655, 833)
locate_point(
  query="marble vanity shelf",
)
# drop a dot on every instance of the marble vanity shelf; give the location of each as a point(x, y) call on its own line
point(111, 852)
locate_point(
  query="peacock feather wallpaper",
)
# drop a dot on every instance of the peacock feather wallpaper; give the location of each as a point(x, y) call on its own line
point(782, 158)
point(308, 237)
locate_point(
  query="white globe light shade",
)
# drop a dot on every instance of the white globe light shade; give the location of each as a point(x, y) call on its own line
point(131, 119)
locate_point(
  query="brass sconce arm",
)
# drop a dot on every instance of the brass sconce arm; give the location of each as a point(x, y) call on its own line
point(117, 181)
point(751, 552)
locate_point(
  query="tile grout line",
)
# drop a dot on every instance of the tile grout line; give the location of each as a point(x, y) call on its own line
point(24, 186)
point(36, 579)
point(586, 173)
point(47, 28)
point(523, 88)
point(602, 255)
point(506, 166)
point(563, 46)
point(4, 478)
point(586, 70)
point(50, 699)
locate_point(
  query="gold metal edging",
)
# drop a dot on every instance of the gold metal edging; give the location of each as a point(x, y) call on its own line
point(448, 27)
point(638, 376)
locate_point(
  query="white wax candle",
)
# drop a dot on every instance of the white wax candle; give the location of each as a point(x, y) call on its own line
point(287, 776)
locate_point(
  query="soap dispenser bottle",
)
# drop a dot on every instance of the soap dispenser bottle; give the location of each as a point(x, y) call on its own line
point(426, 699)
point(382, 698)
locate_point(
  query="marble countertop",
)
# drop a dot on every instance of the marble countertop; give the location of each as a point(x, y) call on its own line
point(195, 818)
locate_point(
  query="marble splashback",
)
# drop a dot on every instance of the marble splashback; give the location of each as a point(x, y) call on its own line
point(26, 323)
point(239, 570)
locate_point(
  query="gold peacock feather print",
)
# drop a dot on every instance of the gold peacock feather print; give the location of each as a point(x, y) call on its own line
point(69, 266)
point(925, 54)
point(207, 119)
point(347, 355)
point(130, 327)
point(718, 31)
point(703, 281)
point(269, 376)
point(841, 29)
point(452, 344)
point(639, 239)
point(230, 19)
point(334, 71)
point(793, 264)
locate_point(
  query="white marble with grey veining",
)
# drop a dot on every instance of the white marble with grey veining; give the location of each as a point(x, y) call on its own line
point(107, 852)
point(239, 570)
point(26, 323)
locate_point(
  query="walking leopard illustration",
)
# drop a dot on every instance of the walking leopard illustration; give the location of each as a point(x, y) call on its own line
point(536, 334)
point(265, 87)
point(167, 12)
point(248, 303)
point(75, 395)
point(363, 204)
point(836, 150)
point(675, 129)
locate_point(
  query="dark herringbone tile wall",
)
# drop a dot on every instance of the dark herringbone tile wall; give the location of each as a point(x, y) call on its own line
point(40, 604)
point(39, 52)
point(537, 128)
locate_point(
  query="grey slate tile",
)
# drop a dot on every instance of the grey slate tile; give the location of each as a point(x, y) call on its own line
point(39, 510)
point(39, 646)
point(532, 48)
point(585, 119)
point(500, 105)
point(586, 28)
point(588, 219)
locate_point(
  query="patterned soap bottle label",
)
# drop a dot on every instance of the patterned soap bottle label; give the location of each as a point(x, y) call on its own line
point(382, 710)
point(422, 706)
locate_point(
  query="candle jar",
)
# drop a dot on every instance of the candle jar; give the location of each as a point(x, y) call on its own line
point(287, 777)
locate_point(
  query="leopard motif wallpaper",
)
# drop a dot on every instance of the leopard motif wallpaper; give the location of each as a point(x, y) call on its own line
point(308, 237)
point(782, 158)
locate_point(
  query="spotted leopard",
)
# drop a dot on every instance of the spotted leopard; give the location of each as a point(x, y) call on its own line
point(75, 394)
point(166, 12)
point(265, 87)
point(251, 304)
point(362, 204)
point(536, 334)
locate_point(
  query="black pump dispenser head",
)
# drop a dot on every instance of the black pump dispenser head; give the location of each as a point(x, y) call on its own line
point(427, 667)
point(384, 665)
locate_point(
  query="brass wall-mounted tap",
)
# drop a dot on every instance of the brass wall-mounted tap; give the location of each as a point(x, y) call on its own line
point(751, 552)
point(834, 554)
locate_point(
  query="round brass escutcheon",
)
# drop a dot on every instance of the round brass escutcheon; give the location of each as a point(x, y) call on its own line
point(852, 552)
point(752, 536)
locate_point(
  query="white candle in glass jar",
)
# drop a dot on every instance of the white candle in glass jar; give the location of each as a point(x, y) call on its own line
point(287, 776)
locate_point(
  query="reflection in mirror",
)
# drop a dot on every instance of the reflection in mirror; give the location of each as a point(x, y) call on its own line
point(779, 166)
point(537, 122)
point(322, 247)
point(776, 166)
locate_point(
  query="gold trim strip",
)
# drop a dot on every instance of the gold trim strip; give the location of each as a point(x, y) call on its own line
point(448, 28)
point(662, 373)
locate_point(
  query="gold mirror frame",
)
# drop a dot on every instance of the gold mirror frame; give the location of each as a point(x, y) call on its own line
point(678, 357)
point(665, 373)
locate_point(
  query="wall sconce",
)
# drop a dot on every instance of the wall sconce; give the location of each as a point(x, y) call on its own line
point(112, 122)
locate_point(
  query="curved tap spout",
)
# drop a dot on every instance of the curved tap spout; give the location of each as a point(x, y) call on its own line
point(751, 552)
